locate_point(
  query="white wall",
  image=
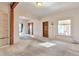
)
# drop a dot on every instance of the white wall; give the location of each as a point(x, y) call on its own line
point(72, 14)
point(17, 20)
point(36, 26)
point(23, 21)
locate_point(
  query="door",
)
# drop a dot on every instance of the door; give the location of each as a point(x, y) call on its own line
point(45, 29)
point(30, 28)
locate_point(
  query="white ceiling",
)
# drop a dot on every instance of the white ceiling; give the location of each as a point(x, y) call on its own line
point(48, 8)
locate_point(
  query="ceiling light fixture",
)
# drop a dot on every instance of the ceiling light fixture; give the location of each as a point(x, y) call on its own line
point(39, 4)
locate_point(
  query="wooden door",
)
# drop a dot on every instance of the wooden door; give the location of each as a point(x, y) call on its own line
point(30, 28)
point(45, 29)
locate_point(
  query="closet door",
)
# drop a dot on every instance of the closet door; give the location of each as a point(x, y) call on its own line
point(3, 29)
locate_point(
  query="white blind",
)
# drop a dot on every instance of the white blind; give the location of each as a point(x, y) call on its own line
point(3, 25)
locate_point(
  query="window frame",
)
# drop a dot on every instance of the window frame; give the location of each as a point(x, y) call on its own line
point(21, 29)
point(70, 29)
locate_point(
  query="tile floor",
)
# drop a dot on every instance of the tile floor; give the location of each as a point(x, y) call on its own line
point(32, 47)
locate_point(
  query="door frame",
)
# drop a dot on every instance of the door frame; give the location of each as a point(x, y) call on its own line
point(43, 29)
point(29, 28)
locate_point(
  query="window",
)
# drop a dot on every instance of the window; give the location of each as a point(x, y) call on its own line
point(64, 27)
point(20, 28)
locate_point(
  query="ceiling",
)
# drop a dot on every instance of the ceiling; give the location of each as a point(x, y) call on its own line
point(48, 8)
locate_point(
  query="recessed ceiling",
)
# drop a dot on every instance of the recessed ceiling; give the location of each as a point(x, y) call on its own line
point(47, 8)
